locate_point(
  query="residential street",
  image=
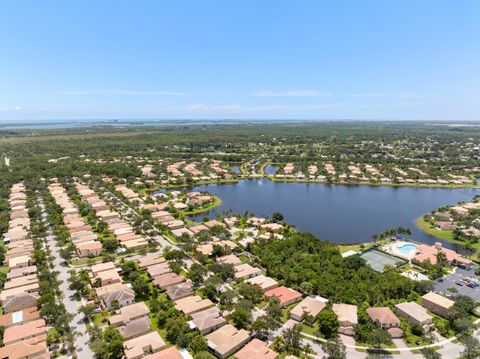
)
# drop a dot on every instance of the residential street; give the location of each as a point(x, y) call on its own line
point(82, 339)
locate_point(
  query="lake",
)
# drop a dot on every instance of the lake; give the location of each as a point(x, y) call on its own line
point(339, 213)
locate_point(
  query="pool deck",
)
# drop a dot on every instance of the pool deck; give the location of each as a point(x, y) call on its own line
point(393, 248)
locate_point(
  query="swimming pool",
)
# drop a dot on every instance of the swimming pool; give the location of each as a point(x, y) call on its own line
point(407, 248)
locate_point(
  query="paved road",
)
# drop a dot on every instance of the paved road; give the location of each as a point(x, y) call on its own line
point(82, 339)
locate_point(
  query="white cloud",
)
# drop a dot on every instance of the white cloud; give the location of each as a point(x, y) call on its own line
point(18, 108)
point(121, 92)
point(291, 93)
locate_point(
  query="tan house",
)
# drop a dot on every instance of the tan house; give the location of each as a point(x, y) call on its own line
point(437, 304)
point(264, 282)
point(20, 302)
point(118, 293)
point(33, 332)
point(414, 314)
point(166, 280)
point(347, 317)
point(20, 317)
point(227, 340)
point(127, 314)
point(24, 350)
point(229, 259)
point(158, 269)
point(88, 249)
point(179, 291)
point(246, 271)
point(150, 260)
point(170, 353)
point(256, 349)
point(192, 304)
point(207, 320)
point(384, 318)
point(143, 345)
point(310, 306)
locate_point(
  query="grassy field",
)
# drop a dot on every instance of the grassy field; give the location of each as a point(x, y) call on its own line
point(427, 227)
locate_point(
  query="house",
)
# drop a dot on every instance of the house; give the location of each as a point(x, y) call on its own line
point(20, 302)
point(150, 260)
point(437, 304)
point(309, 305)
point(106, 277)
point(229, 259)
point(384, 318)
point(97, 268)
point(170, 353)
point(158, 269)
point(22, 281)
point(33, 332)
point(20, 317)
point(15, 292)
point(19, 262)
point(286, 295)
point(192, 304)
point(137, 348)
point(227, 340)
point(88, 249)
point(197, 229)
point(214, 223)
point(165, 280)
point(207, 320)
point(246, 271)
point(264, 282)
point(177, 233)
point(118, 293)
point(347, 317)
point(179, 291)
point(24, 350)
point(131, 312)
point(271, 227)
point(256, 349)
point(20, 272)
point(414, 314)
point(135, 328)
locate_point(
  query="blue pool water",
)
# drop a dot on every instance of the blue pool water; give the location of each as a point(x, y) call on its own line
point(407, 248)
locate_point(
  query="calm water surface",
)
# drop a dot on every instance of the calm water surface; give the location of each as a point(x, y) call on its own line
point(342, 214)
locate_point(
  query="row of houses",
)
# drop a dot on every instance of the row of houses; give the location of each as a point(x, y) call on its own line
point(124, 232)
point(25, 332)
point(130, 318)
point(81, 234)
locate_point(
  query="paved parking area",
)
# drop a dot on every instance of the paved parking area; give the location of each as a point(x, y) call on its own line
point(449, 282)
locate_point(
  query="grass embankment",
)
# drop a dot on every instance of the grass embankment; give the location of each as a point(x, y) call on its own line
point(417, 185)
point(216, 202)
point(445, 235)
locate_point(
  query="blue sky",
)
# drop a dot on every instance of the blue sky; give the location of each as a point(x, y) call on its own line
point(252, 59)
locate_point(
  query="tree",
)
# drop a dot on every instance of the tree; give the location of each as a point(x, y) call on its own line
point(472, 347)
point(377, 337)
point(198, 344)
point(334, 349)
point(240, 318)
point(251, 292)
point(430, 353)
point(274, 310)
point(293, 339)
point(277, 217)
point(328, 323)
point(196, 273)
